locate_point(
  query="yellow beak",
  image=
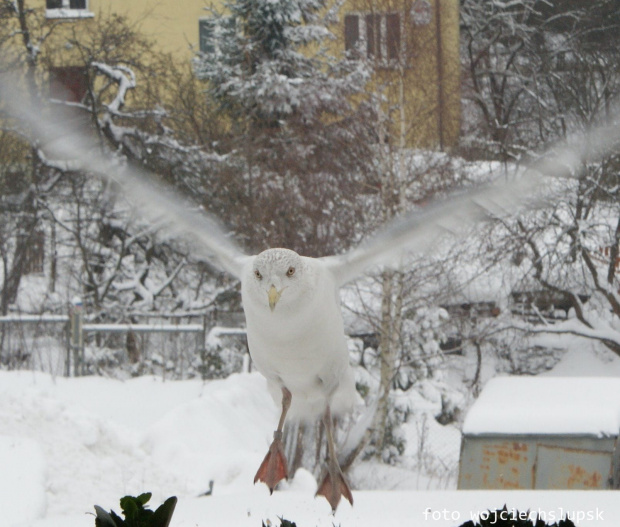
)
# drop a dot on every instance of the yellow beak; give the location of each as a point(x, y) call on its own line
point(274, 296)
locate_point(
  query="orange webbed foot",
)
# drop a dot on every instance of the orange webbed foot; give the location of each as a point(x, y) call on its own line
point(273, 469)
point(333, 487)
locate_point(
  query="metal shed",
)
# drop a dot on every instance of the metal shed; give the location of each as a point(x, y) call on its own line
point(543, 433)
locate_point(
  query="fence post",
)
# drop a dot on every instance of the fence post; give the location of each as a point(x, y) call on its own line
point(203, 345)
point(67, 333)
point(76, 319)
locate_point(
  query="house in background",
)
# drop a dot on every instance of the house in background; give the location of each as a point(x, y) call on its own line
point(413, 46)
point(543, 433)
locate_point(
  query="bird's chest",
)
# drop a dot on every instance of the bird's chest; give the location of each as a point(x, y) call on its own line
point(301, 343)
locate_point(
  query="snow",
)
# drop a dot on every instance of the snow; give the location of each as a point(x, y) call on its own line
point(583, 358)
point(23, 460)
point(19, 317)
point(102, 438)
point(547, 405)
point(64, 12)
point(151, 328)
point(67, 444)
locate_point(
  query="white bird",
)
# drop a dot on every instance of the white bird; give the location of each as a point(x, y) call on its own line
point(296, 340)
point(294, 324)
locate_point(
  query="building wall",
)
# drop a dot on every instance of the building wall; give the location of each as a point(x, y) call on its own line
point(171, 24)
point(422, 86)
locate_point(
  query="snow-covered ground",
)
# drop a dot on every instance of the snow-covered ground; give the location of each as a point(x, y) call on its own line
point(68, 444)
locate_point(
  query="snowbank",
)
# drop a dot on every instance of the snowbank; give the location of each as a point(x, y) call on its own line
point(91, 440)
point(69, 444)
point(22, 484)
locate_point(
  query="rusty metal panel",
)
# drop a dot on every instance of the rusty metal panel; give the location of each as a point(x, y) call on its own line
point(615, 480)
point(535, 461)
point(559, 467)
point(504, 465)
point(496, 464)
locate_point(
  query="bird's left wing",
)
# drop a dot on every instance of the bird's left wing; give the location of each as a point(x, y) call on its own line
point(76, 148)
point(419, 230)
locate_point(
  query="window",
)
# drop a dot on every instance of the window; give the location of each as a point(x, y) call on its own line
point(34, 254)
point(68, 83)
point(67, 4)
point(377, 35)
point(67, 9)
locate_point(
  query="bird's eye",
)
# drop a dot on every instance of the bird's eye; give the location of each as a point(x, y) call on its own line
point(290, 272)
point(257, 274)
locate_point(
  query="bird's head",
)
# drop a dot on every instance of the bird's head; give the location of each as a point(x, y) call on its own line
point(276, 279)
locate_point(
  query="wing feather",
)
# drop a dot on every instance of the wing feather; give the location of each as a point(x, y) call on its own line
point(418, 230)
point(154, 201)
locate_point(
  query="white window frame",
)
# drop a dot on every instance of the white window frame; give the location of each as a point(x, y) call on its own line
point(68, 12)
point(362, 42)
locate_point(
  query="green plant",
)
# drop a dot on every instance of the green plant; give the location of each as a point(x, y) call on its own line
point(135, 513)
point(283, 523)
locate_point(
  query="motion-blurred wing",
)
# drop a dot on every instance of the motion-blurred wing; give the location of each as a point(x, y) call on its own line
point(154, 202)
point(418, 230)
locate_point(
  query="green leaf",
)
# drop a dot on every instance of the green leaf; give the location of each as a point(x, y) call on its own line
point(135, 513)
point(104, 519)
point(163, 514)
point(130, 507)
point(144, 497)
point(117, 519)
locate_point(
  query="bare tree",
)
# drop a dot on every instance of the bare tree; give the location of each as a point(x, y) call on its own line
point(109, 82)
point(539, 72)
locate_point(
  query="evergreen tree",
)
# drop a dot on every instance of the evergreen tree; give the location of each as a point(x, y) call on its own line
point(298, 146)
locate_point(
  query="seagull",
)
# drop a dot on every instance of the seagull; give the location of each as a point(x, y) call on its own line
point(291, 302)
point(297, 341)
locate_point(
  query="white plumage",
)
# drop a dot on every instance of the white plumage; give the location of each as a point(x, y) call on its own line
point(300, 343)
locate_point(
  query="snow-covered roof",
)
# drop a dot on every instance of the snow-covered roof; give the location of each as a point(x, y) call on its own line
point(547, 405)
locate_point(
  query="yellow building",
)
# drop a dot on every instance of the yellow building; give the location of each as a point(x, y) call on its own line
point(414, 45)
point(171, 24)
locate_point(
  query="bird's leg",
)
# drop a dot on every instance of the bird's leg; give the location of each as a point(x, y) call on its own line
point(273, 468)
point(333, 484)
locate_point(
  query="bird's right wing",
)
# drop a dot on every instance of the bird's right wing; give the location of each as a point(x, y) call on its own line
point(78, 150)
point(418, 230)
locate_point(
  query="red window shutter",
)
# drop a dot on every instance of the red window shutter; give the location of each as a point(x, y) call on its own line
point(393, 36)
point(373, 35)
point(351, 31)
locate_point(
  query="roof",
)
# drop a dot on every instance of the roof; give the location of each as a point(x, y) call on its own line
point(546, 405)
